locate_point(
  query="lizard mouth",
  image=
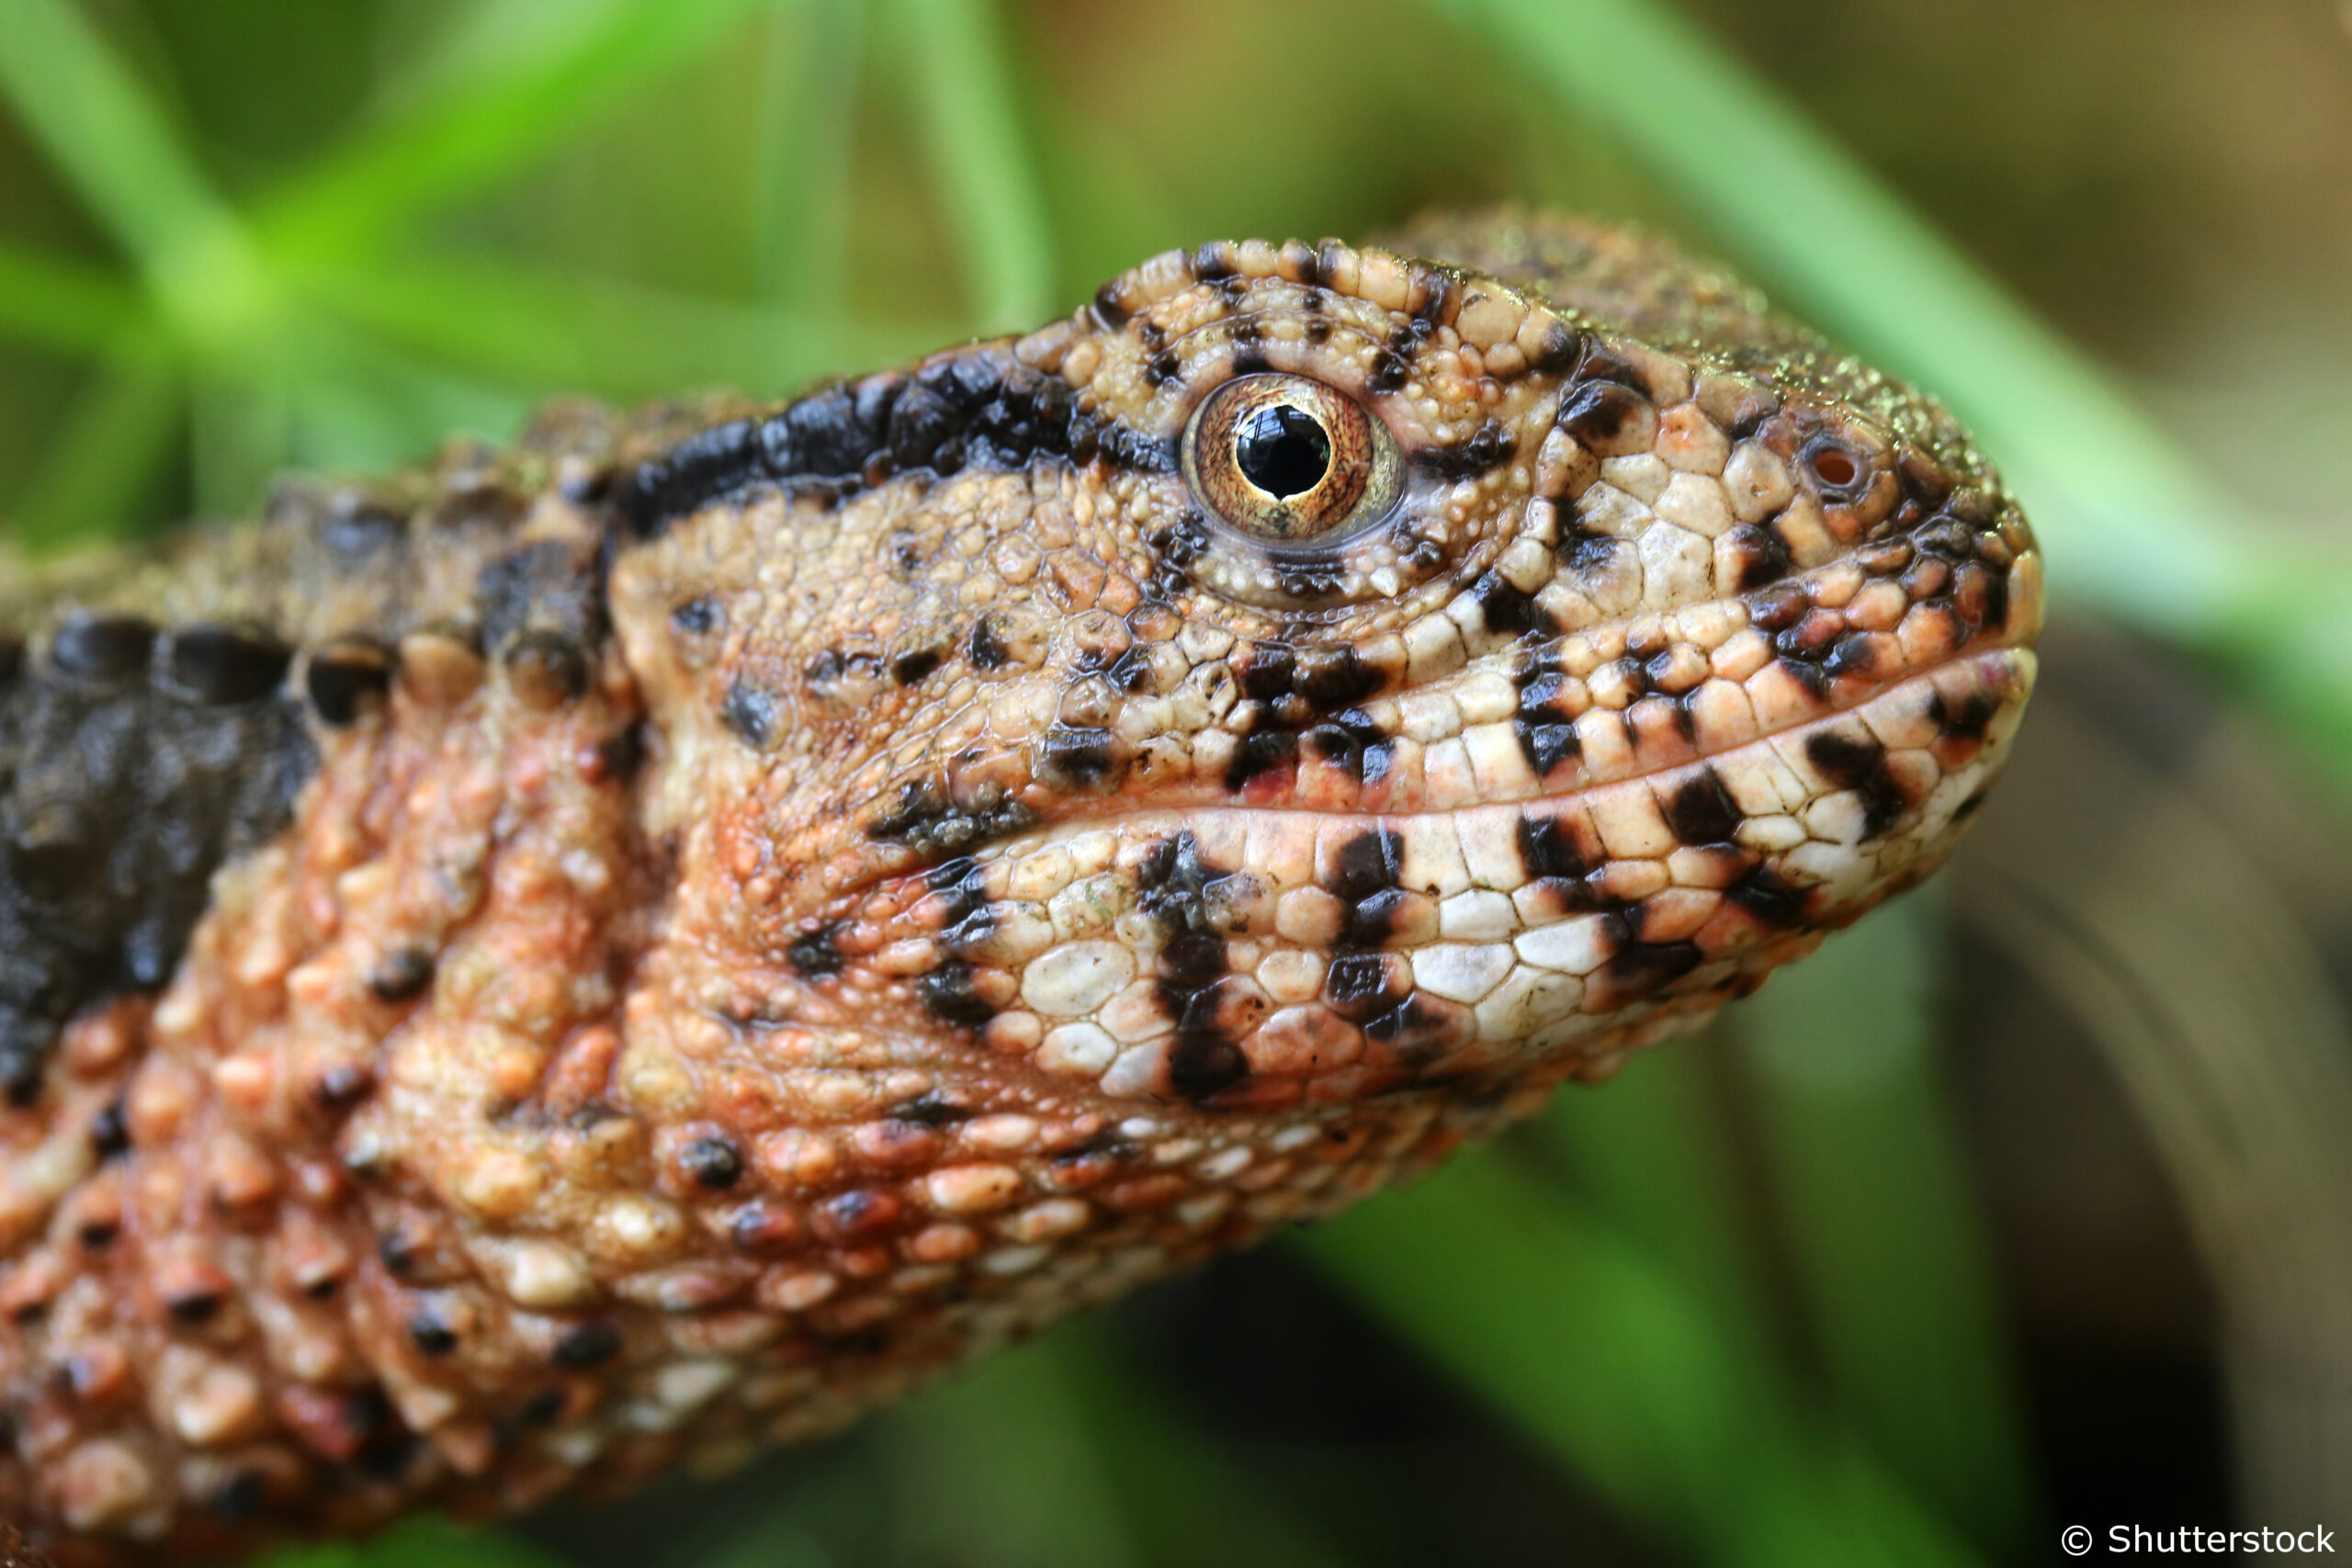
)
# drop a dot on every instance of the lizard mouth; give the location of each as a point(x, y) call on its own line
point(1268, 952)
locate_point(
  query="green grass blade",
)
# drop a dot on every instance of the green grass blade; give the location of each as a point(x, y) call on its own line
point(801, 176)
point(529, 328)
point(56, 303)
point(1869, 1182)
point(131, 168)
point(1594, 1349)
point(475, 127)
point(969, 109)
point(104, 452)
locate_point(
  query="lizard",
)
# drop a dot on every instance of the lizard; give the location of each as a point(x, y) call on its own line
point(655, 939)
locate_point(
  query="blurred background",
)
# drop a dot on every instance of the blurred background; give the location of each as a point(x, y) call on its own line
point(2029, 1204)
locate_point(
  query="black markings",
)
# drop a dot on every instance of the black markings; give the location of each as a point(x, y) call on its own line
point(344, 679)
point(1701, 812)
point(1597, 412)
point(1365, 879)
point(1077, 759)
point(12, 659)
point(1334, 677)
point(109, 1134)
point(816, 955)
point(1763, 557)
point(1546, 743)
point(978, 407)
point(1353, 741)
point(1489, 447)
point(750, 710)
point(1260, 751)
point(587, 1345)
point(1768, 896)
point(910, 668)
point(1160, 368)
point(222, 664)
point(987, 648)
point(966, 919)
point(698, 616)
point(928, 1108)
point(1548, 850)
point(1390, 371)
point(1356, 985)
point(1559, 350)
point(948, 995)
point(1509, 611)
point(430, 1333)
point(1639, 968)
point(1108, 312)
point(1969, 721)
point(925, 820)
point(712, 1162)
point(1860, 764)
point(194, 1308)
point(1266, 674)
point(101, 648)
point(402, 974)
point(1173, 885)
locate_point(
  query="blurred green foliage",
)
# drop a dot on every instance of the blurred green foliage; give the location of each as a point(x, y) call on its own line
point(332, 235)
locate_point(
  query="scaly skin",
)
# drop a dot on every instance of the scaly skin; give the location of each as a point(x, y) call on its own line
point(742, 909)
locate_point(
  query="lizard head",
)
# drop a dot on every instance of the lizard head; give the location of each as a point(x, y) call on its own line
point(1307, 673)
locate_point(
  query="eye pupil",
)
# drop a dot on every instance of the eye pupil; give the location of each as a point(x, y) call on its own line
point(1282, 450)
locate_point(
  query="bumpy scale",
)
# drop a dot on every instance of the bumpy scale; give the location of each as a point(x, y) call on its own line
point(653, 942)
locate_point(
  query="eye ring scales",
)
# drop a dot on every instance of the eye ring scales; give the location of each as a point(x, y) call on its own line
point(1285, 461)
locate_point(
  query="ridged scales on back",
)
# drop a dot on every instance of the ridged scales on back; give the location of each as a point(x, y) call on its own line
point(651, 940)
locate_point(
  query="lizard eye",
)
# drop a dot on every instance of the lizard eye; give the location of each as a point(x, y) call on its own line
point(1286, 460)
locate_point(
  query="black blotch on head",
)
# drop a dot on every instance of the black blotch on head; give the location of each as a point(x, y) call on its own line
point(1488, 448)
point(402, 974)
point(987, 647)
point(429, 1334)
point(1161, 367)
point(1356, 985)
point(586, 1344)
point(928, 1108)
point(924, 819)
point(1075, 758)
point(1546, 742)
point(1763, 557)
point(1260, 751)
point(750, 710)
point(551, 587)
point(1599, 411)
point(712, 1162)
point(1390, 370)
point(194, 1308)
point(110, 1133)
point(1365, 879)
point(1560, 349)
point(1266, 674)
point(910, 668)
point(1770, 897)
point(815, 954)
point(1548, 849)
point(1701, 812)
point(1509, 611)
point(698, 616)
point(948, 995)
point(1639, 968)
point(1200, 1065)
point(1860, 764)
point(1108, 312)
point(1353, 741)
point(1333, 676)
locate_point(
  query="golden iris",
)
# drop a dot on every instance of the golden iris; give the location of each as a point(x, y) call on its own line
point(1287, 460)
